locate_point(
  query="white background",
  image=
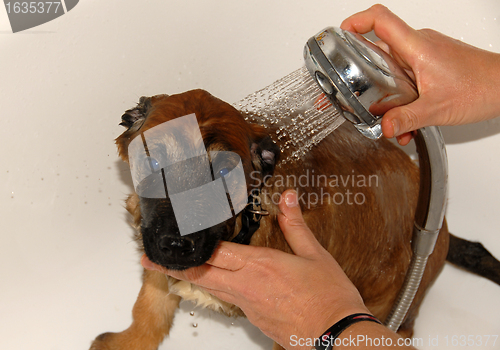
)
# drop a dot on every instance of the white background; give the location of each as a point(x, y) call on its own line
point(69, 269)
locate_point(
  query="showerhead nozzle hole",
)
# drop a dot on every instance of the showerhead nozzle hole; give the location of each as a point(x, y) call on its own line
point(324, 83)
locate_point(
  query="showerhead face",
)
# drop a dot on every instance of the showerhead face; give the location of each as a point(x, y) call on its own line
point(358, 77)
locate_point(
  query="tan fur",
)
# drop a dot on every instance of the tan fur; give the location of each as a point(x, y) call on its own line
point(152, 313)
point(370, 241)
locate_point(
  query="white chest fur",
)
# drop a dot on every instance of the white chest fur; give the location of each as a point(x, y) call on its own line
point(200, 297)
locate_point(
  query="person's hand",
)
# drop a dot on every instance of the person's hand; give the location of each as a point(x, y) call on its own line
point(457, 83)
point(284, 295)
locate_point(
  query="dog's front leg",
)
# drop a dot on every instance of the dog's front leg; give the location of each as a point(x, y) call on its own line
point(153, 314)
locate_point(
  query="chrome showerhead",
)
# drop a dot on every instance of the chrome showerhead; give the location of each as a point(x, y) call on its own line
point(358, 77)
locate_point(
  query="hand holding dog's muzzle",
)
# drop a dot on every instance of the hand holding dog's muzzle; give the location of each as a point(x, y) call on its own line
point(263, 282)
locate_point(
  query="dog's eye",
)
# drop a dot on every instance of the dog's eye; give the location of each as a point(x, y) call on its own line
point(152, 164)
point(224, 172)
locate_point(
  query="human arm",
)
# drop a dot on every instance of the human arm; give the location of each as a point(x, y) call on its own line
point(457, 83)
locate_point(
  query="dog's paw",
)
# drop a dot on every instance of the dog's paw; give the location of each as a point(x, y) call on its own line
point(125, 340)
point(103, 342)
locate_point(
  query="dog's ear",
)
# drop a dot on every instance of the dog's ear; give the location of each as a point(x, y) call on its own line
point(134, 118)
point(265, 154)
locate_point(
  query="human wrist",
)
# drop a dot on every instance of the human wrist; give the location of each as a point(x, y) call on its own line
point(336, 315)
point(479, 95)
point(330, 337)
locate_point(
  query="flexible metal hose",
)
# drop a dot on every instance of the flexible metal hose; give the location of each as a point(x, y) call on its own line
point(409, 289)
point(429, 216)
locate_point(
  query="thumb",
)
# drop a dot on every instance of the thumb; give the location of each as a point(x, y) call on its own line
point(403, 119)
point(297, 234)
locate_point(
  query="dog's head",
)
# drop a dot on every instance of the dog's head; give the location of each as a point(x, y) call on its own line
point(178, 169)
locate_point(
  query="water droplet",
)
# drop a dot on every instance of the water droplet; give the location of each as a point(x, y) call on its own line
point(195, 325)
point(192, 313)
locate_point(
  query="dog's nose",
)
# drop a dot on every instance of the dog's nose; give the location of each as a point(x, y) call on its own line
point(177, 246)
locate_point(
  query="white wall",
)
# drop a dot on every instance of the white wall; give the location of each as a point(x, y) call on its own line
point(69, 269)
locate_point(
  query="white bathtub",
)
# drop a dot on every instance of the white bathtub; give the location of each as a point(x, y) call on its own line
point(68, 266)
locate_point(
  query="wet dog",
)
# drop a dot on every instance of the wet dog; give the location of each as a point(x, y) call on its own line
point(358, 196)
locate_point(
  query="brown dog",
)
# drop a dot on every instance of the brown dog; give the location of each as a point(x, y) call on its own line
point(369, 235)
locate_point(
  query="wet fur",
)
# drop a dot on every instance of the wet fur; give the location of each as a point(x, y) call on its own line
point(371, 241)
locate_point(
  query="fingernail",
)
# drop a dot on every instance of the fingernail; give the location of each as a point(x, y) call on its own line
point(291, 199)
point(395, 127)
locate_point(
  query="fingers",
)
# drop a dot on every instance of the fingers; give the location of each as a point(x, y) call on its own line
point(399, 121)
point(400, 40)
point(205, 276)
point(191, 275)
point(387, 26)
point(295, 230)
point(216, 273)
point(383, 46)
point(148, 264)
point(405, 139)
point(230, 256)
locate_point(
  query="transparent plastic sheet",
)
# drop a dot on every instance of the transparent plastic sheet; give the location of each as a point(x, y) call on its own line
point(205, 189)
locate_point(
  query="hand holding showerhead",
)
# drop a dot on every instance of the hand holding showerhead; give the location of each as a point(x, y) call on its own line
point(457, 83)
